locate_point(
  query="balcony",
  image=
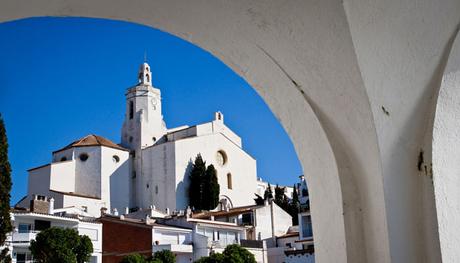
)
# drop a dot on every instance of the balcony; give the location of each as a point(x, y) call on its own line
point(176, 248)
point(23, 238)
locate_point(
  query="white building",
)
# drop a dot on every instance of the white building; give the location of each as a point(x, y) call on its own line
point(90, 173)
point(151, 167)
point(27, 224)
point(162, 158)
point(262, 222)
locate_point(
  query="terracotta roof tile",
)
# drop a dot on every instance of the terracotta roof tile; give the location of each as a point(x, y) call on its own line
point(93, 140)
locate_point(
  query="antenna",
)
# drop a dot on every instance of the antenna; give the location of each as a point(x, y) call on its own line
point(145, 56)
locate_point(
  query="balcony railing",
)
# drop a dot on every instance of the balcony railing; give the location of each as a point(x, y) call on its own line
point(23, 237)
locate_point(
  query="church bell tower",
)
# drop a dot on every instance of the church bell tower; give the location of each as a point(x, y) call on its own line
point(143, 125)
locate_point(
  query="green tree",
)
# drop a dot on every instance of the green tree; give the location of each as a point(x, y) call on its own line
point(133, 258)
point(294, 207)
point(5, 189)
point(268, 194)
point(238, 254)
point(213, 258)
point(164, 256)
point(279, 195)
point(196, 183)
point(55, 245)
point(232, 254)
point(211, 189)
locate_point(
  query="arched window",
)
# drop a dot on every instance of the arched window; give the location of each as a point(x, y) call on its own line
point(148, 77)
point(229, 181)
point(115, 158)
point(131, 110)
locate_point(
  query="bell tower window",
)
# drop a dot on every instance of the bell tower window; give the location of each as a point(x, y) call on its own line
point(131, 110)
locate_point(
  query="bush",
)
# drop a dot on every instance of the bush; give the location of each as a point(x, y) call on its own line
point(56, 245)
point(232, 254)
point(164, 256)
point(133, 258)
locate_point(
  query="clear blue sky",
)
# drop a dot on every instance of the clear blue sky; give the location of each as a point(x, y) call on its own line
point(64, 78)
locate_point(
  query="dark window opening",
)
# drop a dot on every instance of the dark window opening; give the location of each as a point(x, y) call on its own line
point(83, 157)
point(42, 225)
point(63, 159)
point(131, 110)
point(229, 181)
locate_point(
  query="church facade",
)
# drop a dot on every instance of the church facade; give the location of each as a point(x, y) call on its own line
point(151, 165)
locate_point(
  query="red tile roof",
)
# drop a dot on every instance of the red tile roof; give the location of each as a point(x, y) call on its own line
point(93, 140)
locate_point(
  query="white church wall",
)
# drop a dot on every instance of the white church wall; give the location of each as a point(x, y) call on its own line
point(158, 173)
point(239, 164)
point(115, 178)
point(64, 154)
point(63, 176)
point(219, 126)
point(87, 173)
point(39, 180)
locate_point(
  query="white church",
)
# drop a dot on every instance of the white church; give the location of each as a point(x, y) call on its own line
point(151, 165)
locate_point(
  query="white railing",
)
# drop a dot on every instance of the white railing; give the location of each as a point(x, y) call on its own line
point(23, 237)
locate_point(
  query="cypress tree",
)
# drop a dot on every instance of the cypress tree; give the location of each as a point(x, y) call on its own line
point(268, 194)
point(211, 189)
point(279, 195)
point(295, 204)
point(196, 183)
point(5, 189)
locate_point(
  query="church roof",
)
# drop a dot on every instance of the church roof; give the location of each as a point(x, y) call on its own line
point(93, 140)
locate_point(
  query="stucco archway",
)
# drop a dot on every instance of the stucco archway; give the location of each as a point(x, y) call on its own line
point(446, 157)
point(346, 95)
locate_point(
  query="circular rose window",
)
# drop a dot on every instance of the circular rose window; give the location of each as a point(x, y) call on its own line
point(221, 158)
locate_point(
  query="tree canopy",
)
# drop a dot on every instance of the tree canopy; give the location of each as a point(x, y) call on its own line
point(164, 256)
point(232, 254)
point(204, 189)
point(55, 245)
point(5, 189)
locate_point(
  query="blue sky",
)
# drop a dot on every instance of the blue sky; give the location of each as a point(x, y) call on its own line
point(64, 78)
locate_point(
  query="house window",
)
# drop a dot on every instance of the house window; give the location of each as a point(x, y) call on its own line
point(229, 181)
point(131, 110)
point(42, 225)
point(24, 228)
point(83, 157)
point(63, 159)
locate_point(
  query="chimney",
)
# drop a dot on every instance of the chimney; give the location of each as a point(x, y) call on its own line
point(167, 211)
point(51, 206)
point(126, 210)
point(188, 212)
point(103, 211)
point(39, 204)
point(115, 212)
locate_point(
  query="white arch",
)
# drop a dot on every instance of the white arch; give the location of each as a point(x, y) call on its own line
point(347, 81)
point(446, 158)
